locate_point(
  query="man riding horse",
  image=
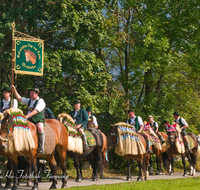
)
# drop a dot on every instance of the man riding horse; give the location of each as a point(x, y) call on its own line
point(6, 102)
point(92, 117)
point(137, 122)
point(155, 127)
point(183, 125)
point(80, 117)
point(36, 106)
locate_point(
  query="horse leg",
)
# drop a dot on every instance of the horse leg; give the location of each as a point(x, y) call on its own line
point(9, 171)
point(183, 161)
point(97, 163)
point(145, 166)
point(28, 170)
point(140, 168)
point(35, 171)
point(171, 169)
point(194, 160)
point(62, 155)
point(151, 167)
point(53, 166)
point(14, 187)
point(102, 165)
point(78, 164)
point(128, 170)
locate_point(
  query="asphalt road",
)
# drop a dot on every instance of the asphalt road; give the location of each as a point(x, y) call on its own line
point(85, 182)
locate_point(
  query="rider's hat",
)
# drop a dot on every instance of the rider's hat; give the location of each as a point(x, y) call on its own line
point(77, 101)
point(7, 89)
point(88, 108)
point(35, 90)
point(176, 113)
point(150, 116)
point(129, 111)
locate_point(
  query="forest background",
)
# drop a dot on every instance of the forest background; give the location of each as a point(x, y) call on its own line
point(112, 55)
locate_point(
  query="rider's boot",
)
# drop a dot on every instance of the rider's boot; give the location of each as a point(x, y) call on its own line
point(148, 147)
point(85, 145)
point(162, 140)
point(187, 145)
point(41, 143)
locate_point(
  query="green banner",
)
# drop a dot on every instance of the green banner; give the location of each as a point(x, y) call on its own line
point(29, 57)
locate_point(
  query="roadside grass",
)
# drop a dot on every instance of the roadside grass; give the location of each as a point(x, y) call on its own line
point(164, 184)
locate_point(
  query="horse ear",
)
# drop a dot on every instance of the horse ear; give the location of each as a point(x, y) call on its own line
point(112, 126)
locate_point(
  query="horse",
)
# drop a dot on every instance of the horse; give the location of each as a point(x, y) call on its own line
point(93, 154)
point(61, 144)
point(104, 149)
point(30, 56)
point(172, 150)
point(142, 159)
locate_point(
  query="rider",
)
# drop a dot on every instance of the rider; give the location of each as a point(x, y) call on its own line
point(154, 126)
point(80, 117)
point(137, 122)
point(36, 106)
point(183, 125)
point(6, 102)
point(90, 116)
point(49, 114)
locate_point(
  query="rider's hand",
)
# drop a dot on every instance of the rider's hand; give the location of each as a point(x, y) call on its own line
point(139, 131)
point(26, 116)
point(78, 126)
point(12, 87)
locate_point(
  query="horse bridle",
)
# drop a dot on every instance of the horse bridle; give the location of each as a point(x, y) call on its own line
point(113, 133)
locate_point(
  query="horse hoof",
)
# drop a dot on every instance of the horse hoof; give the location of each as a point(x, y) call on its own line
point(146, 178)
point(95, 180)
point(78, 180)
point(171, 173)
point(128, 179)
point(150, 173)
point(102, 177)
point(8, 186)
point(14, 188)
point(185, 175)
point(52, 187)
point(139, 179)
point(157, 173)
point(160, 173)
point(29, 183)
point(64, 186)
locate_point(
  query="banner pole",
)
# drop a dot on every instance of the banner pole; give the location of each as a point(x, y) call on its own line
point(13, 59)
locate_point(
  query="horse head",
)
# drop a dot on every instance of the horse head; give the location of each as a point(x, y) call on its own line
point(112, 136)
point(171, 132)
point(30, 56)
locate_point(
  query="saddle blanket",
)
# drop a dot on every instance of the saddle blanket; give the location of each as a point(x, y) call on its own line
point(90, 138)
point(49, 144)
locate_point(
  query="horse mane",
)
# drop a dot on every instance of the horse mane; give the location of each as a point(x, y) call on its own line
point(12, 110)
point(1, 116)
point(123, 124)
point(65, 115)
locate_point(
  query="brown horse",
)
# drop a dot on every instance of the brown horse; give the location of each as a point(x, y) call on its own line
point(61, 143)
point(142, 159)
point(159, 154)
point(30, 56)
point(172, 151)
point(104, 149)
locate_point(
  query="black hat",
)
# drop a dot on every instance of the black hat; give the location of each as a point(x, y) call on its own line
point(77, 101)
point(35, 90)
point(129, 111)
point(7, 89)
point(176, 113)
point(88, 108)
point(164, 122)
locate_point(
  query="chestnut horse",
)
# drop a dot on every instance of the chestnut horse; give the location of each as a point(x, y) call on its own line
point(158, 154)
point(172, 150)
point(142, 159)
point(61, 143)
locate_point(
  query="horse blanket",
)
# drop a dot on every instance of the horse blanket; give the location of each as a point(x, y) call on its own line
point(128, 142)
point(49, 144)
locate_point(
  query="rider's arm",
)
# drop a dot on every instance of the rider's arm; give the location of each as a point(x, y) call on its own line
point(19, 98)
point(34, 112)
point(185, 124)
point(140, 122)
point(95, 122)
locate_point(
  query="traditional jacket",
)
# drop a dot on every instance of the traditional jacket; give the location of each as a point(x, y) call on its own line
point(180, 123)
point(154, 125)
point(81, 117)
point(137, 126)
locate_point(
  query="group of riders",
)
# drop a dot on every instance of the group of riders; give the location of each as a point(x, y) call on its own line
point(37, 112)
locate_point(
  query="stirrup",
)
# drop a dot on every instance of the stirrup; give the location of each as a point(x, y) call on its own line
point(190, 151)
point(149, 151)
point(85, 147)
point(162, 141)
point(40, 151)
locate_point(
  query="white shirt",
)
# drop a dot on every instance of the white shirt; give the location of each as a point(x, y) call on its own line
point(39, 107)
point(94, 120)
point(6, 104)
point(140, 122)
point(182, 120)
point(75, 115)
point(152, 124)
